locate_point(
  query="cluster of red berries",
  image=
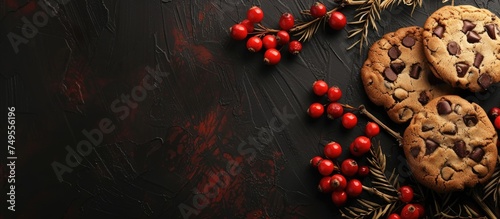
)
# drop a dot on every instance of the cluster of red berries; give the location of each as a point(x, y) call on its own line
point(409, 211)
point(269, 42)
point(344, 183)
point(270, 39)
point(334, 109)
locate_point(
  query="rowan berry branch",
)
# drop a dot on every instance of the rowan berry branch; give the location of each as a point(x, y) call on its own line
point(362, 109)
point(303, 29)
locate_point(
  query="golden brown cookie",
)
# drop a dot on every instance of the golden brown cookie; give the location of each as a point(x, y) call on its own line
point(451, 144)
point(462, 44)
point(396, 75)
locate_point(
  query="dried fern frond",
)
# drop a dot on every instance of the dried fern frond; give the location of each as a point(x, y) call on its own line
point(378, 163)
point(371, 209)
point(367, 16)
point(369, 13)
point(308, 30)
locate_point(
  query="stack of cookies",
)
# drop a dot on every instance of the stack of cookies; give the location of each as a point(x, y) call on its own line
point(415, 73)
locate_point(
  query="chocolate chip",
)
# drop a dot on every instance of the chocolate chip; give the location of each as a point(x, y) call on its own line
point(473, 37)
point(484, 81)
point(453, 48)
point(478, 59)
point(394, 52)
point(438, 31)
point(390, 75)
point(415, 71)
point(430, 146)
point(415, 151)
point(408, 41)
point(423, 98)
point(444, 107)
point(470, 120)
point(462, 69)
point(398, 67)
point(477, 154)
point(460, 148)
point(490, 29)
point(468, 26)
point(427, 127)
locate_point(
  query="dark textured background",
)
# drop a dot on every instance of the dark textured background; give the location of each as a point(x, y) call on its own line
point(214, 98)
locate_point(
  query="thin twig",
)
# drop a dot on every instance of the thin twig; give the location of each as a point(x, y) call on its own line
point(362, 109)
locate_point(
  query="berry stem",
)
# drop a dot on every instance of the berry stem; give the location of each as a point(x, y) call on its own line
point(386, 197)
point(362, 109)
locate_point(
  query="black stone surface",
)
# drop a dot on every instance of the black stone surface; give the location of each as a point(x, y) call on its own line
point(150, 110)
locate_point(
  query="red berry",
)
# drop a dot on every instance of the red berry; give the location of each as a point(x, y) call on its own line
point(255, 14)
point(334, 94)
point(248, 25)
point(332, 150)
point(320, 87)
point(497, 123)
point(254, 44)
point(315, 161)
point(326, 167)
point(324, 185)
point(295, 47)
point(354, 188)
point(363, 171)
point(286, 21)
point(494, 112)
point(349, 120)
point(282, 37)
point(420, 209)
point(334, 110)
point(338, 182)
point(339, 198)
point(360, 145)
point(371, 129)
point(394, 216)
point(272, 56)
point(405, 194)
point(269, 41)
point(409, 211)
point(337, 20)
point(318, 10)
point(316, 110)
point(238, 32)
point(349, 167)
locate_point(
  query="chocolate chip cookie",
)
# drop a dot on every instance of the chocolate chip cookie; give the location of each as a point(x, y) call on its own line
point(462, 44)
point(396, 75)
point(451, 144)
